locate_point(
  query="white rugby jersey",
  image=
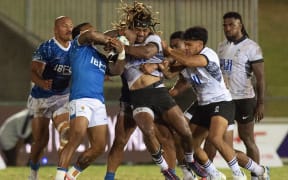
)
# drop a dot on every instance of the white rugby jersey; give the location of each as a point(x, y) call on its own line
point(236, 60)
point(132, 71)
point(208, 81)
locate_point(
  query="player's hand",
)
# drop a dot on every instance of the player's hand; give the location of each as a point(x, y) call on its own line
point(46, 84)
point(164, 66)
point(259, 112)
point(166, 48)
point(130, 35)
point(148, 68)
point(117, 45)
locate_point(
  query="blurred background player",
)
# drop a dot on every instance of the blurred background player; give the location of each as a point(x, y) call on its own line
point(50, 73)
point(15, 132)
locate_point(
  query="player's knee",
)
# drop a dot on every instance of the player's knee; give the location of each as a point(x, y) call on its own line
point(248, 140)
point(215, 139)
point(41, 140)
point(120, 142)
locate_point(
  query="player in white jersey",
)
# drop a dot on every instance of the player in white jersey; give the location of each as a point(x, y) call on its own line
point(50, 73)
point(126, 125)
point(87, 108)
point(215, 109)
point(241, 58)
point(149, 96)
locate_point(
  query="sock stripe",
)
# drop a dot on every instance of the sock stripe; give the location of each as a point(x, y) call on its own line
point(158, 161)
point(249, 164)
point(233, 162)
point(62, 169)
point(206, 165)
point(77, 168)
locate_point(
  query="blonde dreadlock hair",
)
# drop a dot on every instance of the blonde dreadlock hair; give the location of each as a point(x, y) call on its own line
point(136, 15)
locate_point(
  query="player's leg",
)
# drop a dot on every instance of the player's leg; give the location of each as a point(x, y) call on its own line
point(165, 137)
point(246, 134)
point(218, 127)
point(62, 124)
point(261, 172)
point(40, 134)
point(211, 150)
point(175, 118)
point(244, 116)
point(203, 167)
point(95, 113)
point(61, 119)
point(97, 137)
point(144, 118)
point(125, 126)
point(78, 128)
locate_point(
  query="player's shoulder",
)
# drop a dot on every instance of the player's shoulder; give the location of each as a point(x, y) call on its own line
point(208, 50)
point(153, 37)
point(249, 42)
point(50, 43)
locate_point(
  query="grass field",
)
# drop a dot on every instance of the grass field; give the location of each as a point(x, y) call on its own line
point(125, 172)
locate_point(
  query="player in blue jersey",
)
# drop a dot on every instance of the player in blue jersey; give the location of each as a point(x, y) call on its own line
point(50, 72)
point(87, 108)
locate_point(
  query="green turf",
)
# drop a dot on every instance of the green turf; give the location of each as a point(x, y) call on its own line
point(125, 172)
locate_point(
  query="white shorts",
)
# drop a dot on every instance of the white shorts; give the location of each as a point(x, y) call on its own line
point(48, 107)
point(93, 109)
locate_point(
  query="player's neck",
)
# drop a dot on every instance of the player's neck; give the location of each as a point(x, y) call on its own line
point(63, 43)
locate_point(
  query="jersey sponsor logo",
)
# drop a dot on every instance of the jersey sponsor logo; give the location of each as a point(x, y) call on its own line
point(98, 63)
point(226, 64)
point(63, 69)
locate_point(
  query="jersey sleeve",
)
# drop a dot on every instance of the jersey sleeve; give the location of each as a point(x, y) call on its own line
point(255, 53)
point(42, 53)
point(156, 40)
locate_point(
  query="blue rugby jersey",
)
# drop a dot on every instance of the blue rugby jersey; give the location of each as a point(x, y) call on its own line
point(57, 68)
point(88, 67)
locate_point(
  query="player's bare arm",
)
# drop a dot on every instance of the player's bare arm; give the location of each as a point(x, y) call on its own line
point(258, 70)
point(146, 52)
point(92, 36)
point(37, 69)
point(180, 86)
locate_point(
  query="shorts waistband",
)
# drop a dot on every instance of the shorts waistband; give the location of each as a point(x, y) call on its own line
point(154, 85)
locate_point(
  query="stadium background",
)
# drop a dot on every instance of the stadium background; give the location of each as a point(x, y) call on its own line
point(25, 23)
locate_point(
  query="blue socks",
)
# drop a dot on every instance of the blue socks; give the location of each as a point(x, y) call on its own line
point(109, 176)
point(33, 166)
